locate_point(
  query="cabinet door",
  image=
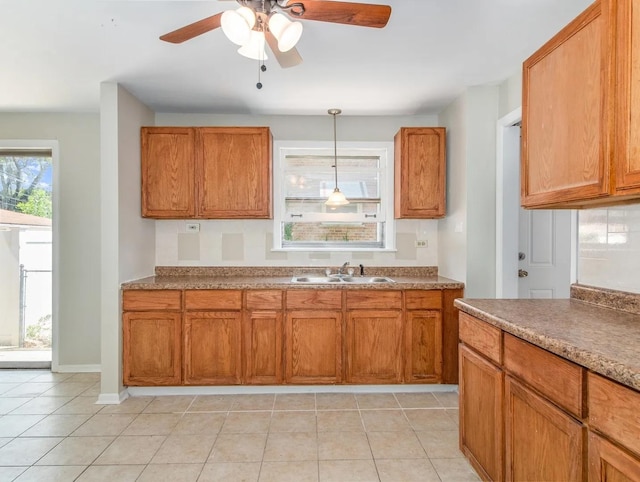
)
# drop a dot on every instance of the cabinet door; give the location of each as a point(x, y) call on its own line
point(263, 347)
point(608, 463)
point(423, 346)
point(565, 114)
point(212, 348)
point(234, 172)
point(481, 415)
point(627, 148)
point(313, 347)
point(168, 163)
point(374, 346)
point(542, 442)
point(420, 172)
point(151, 348)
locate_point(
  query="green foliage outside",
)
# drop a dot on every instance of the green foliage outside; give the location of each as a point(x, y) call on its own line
point(38, 204)
point(23, 187)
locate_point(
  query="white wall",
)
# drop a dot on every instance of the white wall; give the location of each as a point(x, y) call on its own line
point(510, 92)
point(452, 237)
point(78, 218)
point(127, 239)
point(467, 235)
point(249, 242)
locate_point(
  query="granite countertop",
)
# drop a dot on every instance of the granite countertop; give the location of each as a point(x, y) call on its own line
point(604, 340)
point(282, 282)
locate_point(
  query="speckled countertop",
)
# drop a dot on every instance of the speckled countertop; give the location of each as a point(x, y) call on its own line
point(166, 277)
point(602, 339)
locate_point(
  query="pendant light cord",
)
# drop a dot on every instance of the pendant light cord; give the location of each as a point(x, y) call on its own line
point(334, 113)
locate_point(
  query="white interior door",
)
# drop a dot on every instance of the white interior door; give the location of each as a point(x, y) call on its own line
point(544, 265)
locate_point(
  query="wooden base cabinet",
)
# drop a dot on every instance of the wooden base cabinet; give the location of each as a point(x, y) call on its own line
point(313, 349)
point(262, 335)
point(481, 416)
point(609, 463)
point(155, 360)
point(541, 441)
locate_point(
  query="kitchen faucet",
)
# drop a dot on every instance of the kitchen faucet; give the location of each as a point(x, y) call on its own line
point(343, 268)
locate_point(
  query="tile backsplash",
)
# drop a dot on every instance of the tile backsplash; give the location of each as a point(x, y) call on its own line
point(609, 248)
point(249, 243)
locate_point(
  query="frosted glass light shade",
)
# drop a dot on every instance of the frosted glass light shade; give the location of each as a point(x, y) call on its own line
point(285, 31)
point(237, 24)
point(254, 48)
point(336, 199)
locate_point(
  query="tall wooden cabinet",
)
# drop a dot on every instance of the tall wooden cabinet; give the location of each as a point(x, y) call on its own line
point(206, 172)
point(420, 172)
point(580, 145)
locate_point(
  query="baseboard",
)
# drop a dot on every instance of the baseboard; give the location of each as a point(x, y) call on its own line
point(77, 368)
point(112, 398)
point(254, 389)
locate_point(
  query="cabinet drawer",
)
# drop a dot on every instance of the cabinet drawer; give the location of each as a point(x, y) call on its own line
point(314, 299)
point(264, 300)
point(614, 411)
point(481, 336)
point(390, 300)
point(150, 300)
point(213, 299)
point(423, 300)
point(556, 378)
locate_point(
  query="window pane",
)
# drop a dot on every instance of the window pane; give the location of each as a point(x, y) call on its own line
point(335, 233)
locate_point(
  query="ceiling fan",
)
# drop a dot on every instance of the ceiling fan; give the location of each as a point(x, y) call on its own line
point(257, 22)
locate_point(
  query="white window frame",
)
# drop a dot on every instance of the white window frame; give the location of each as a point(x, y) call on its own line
point(384, 150)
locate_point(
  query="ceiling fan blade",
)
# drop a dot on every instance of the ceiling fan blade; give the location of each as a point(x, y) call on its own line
point(193, 30)
point(361, 14)
point(287, 59)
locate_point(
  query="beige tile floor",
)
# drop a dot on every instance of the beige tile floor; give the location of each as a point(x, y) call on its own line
point(52, 430)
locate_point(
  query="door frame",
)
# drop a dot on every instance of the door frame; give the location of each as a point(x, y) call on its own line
point(508, 212)
point(55, 231)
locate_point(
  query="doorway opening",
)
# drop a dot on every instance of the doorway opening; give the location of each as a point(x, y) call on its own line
point(26, 254)
point(536, 250)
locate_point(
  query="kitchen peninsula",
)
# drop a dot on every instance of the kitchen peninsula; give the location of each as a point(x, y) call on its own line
point(550, 389)
point(257, 325)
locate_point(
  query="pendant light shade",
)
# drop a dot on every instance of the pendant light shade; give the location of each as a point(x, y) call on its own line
point(285, 31)
point(254, 48)
point(237, 24)
point(336, 198)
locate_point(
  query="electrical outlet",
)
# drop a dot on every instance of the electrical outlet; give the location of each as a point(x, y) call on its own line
point(421, 243)
point(193, 227)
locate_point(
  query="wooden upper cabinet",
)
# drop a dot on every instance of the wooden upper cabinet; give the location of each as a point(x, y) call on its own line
point(627, 95)
point(234, 172)
point(580, 130)
point(420, 172)
point(206, 172)
point(168, 167)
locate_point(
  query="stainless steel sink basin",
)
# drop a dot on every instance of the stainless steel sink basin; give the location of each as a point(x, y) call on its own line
point(341, 279)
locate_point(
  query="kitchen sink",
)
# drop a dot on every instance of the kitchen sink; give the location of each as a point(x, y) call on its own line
point(341, 279)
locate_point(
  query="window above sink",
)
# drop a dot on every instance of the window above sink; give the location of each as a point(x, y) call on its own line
point(304, 178)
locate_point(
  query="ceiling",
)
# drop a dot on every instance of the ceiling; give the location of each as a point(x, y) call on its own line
point(55, 54)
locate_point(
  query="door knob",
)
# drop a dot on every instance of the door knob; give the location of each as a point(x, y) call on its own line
point(522, 273)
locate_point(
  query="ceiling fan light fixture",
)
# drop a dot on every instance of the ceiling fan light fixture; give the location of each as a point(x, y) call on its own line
point(254, 48)
point(285, 31)
point(237, 24)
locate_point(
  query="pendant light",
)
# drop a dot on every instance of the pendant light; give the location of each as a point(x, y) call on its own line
point(336, 198)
